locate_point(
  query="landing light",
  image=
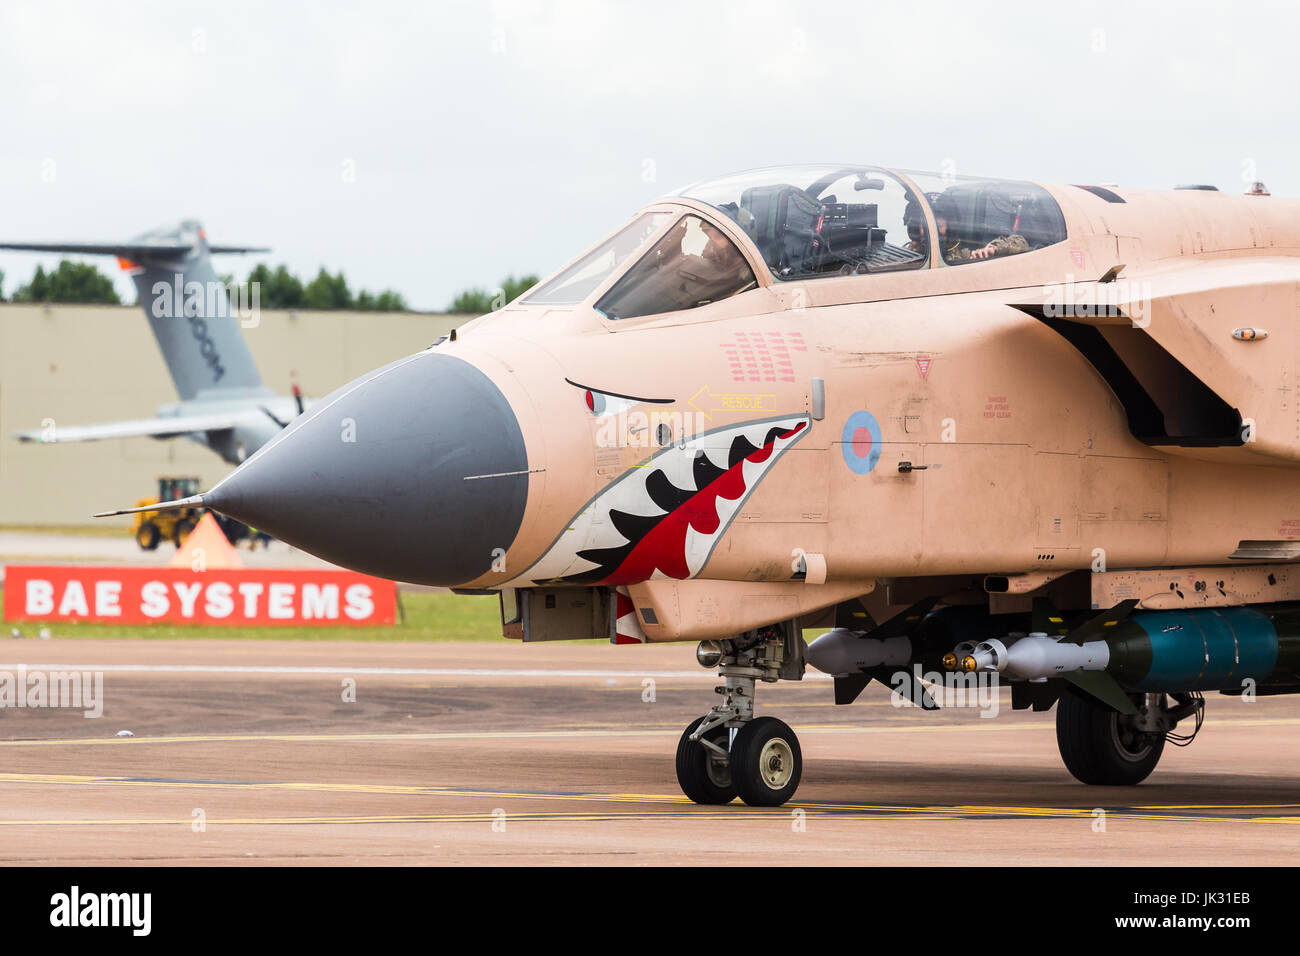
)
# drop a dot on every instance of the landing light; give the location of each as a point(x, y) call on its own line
point(709, 653)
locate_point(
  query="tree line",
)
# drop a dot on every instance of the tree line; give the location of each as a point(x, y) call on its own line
point(82, 283)
point(478, 301)
point(278, 288)
point(281, 289)
point(70, 282)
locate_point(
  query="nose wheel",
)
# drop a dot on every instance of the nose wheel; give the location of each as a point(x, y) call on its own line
point(766, 762)
point(763, 764)
point(703, 765)
point(729, 752)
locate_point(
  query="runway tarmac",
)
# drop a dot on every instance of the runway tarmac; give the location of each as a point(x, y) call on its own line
point(246, 752)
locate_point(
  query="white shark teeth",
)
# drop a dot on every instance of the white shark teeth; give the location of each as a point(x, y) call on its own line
point(677, 464)
point(756, 435)
point(752, 471)
point(592, 528)
point(698, 547)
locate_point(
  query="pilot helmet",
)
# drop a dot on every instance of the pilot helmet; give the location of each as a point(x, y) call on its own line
point(945, 207)
point(914, 219)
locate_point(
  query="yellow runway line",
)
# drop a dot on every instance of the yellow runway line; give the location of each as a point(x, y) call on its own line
point(683, 809)
point(475, 735)
point(634, 816)
point(917, 724)
point(360, 788)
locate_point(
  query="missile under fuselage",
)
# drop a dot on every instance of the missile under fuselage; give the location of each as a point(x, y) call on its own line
point(1165, 651)
point(1149, 651)
point(907, 639)
point(842, 651)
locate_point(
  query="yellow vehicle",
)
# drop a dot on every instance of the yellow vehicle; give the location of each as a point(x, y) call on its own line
point(150, 527)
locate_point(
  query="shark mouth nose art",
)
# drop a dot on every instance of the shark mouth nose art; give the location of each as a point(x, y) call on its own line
point(663, 518)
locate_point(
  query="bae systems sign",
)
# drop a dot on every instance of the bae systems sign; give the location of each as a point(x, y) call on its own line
point(181, 596)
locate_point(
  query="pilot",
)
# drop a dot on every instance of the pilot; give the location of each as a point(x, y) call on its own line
point(914, 219)
point(721, 253)
point(709, 272)
point(959, 250)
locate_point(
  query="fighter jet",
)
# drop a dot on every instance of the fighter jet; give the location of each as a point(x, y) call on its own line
point(982, 432)
point(223, 403)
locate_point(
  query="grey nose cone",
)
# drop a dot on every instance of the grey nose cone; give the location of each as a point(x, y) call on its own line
point(373, 478)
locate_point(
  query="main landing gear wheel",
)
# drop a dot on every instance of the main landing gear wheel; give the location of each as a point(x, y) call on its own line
point(1101, 746)
point(704, 776)
point(766, 762)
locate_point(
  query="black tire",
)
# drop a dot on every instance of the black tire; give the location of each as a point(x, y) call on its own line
point(700, 778)
point(147, 536)
point(766, 762)
point(1099, 746)
point(180, 530)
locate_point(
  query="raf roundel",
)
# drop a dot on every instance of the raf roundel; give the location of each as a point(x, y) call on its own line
point(860, 442)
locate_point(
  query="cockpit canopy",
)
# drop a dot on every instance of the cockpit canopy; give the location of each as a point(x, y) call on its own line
point(812, 221)
point(806, 222)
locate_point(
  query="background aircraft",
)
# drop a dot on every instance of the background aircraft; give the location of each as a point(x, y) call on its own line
point(223, 403)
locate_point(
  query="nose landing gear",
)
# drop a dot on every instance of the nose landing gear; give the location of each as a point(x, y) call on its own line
point(728, 752)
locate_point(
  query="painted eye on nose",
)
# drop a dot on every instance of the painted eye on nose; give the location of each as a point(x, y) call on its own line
point(602, 404)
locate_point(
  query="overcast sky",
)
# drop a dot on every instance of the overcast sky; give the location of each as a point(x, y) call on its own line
point(428, 148)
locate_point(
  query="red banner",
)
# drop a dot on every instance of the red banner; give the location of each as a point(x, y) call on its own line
point(181, 596)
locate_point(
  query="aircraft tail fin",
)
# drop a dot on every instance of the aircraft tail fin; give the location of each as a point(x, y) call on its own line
point(194, 317)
